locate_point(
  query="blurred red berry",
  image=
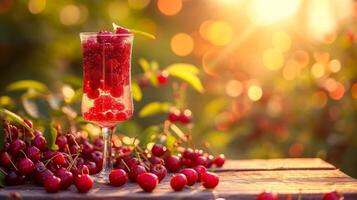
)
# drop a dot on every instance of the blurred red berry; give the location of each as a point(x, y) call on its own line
point(178, 181)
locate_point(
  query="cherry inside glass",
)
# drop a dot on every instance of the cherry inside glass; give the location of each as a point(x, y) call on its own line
point(107, 98)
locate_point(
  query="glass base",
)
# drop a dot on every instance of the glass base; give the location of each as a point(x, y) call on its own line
point(102, 177)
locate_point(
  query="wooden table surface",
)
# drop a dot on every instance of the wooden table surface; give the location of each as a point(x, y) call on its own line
point(239, 179)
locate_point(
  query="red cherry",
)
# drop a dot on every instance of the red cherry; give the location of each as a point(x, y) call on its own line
point(12, 131)
point(118, 177)
point(122, 30)
point(334, 195)
point(162, 77)
point(25, 166)
point(159, 170)
point(40, 142)
point(87, 148)
point(174, 115)
point(187, 162)
point(16, 146)
point(52, 184)
point(189, 154)
point(135, 171)
point(158, 150)
point(147, 181)
point(43, 175)
point(185, 116)
point(61, 141)
point(59, 159)
point(5, 159)
point(83, 183)
point(219, 161)
point(155, 160)
point(37, 132)
point(79, 170)
point(209, 180)
point(29, 124)
point(116, 91)
point(173, 163)
point(178, 181)
point(33, 153)
point(92, 167)
point(200, 169)
point(267, 196)
point(201, 160)
point(65, 176)
point(191, 176)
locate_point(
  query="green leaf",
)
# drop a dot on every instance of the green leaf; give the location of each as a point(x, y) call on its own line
point(6, 101)
point(137, 94)
point(36, 106)
point(16, 118)
point(50, 134)
point(28, 84)
point(151, 36)
point(183, 67)
point(154, 108)
point(187, 73)
point(2, 179)
point(2, 134)
point(154, 65)
point(145, 65)
point(153, 79)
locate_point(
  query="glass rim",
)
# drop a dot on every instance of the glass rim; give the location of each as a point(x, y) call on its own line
point(94, 34)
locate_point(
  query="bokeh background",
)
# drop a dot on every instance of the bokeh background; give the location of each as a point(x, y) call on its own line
point(279, 76)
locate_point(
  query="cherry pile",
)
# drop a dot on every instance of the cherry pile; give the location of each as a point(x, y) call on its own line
point(106, 71)
point(26, 157)
point(148, 168)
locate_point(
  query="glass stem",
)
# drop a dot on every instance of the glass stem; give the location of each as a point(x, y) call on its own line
point(107, 153)
point(103, 175)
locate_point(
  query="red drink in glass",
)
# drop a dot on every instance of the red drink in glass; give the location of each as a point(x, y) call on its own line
point(107, 98)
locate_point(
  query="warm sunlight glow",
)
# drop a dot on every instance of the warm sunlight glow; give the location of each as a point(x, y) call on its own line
point(169, 7)
point(219, 33)
point(321, 20)
point(234, 88)
point(182, 44)
point(268, 12)
point(291, 71)
point(318, 70)
point(334, 65)
point(281, 40)
point(255, 93)
point(36, 6)
point(273, 59)
point(70, 15)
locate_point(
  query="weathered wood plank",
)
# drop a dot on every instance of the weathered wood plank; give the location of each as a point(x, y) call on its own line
point(275, 164)
point(310, 184)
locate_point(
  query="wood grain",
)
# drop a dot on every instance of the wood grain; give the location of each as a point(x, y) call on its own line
point(243, 183)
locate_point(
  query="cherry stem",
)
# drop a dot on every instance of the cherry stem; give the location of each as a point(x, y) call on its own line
point(13, 164)
point(1, 170)
point(127, 167)
point(23, 153)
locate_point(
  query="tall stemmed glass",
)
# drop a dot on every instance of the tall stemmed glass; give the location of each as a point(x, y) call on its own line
point(107, 98)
